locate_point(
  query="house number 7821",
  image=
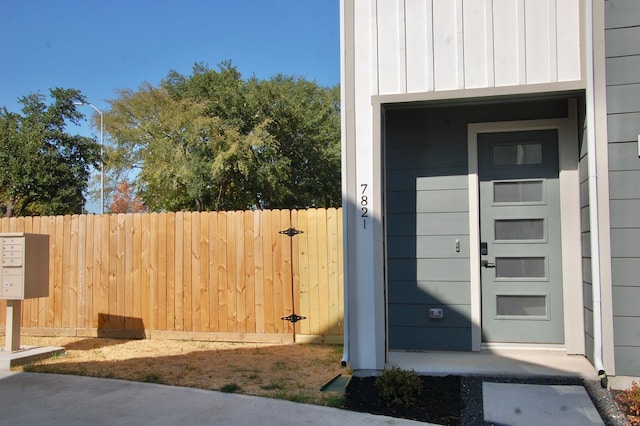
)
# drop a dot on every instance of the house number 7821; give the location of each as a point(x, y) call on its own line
point(364, 205)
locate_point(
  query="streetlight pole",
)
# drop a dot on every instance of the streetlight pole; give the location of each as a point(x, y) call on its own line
point(101, 152)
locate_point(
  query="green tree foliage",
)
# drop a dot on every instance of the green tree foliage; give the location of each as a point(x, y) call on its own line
point(212, 141)
point(44, 170)
point(305, 120)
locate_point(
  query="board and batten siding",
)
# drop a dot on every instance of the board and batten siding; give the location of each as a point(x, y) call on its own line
point(434, 45)
point(622, 33)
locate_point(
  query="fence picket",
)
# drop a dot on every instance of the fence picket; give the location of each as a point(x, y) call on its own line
point(203, 297)
point(258, 260)
point(162, 262)
point(194, 263)
point(129, 255)
point(72, 272)
point(333, 272)
point(232, 308)
point(221, 253)
point(145, 272)
point(249, 272)
point(240, 290)
point(278, 275)
point(214, 297)
point(171, 267)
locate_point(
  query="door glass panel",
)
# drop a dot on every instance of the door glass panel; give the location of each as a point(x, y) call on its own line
point(518, 154)
point(517, 192)
point(520, 267)
point(519, 229)
point(521, 306)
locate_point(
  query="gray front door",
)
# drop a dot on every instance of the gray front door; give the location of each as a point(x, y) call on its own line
point(521, 271)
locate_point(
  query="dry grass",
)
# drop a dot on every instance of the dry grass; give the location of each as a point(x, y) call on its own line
point(293, 372)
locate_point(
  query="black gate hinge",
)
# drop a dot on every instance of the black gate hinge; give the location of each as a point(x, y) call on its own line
point(291, 232)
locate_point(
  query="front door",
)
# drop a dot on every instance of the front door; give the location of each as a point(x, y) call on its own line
point(521, 271)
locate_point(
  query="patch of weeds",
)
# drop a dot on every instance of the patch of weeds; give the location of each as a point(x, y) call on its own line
point(153, 378)
point(108, 375)
point(39, 367)
point(30, 368)
point(399, 387)
point(99, 354)
point(280, 366)
point(629, 401)
point(190, 367)
point(293, 397)
point(337, 351)
point(253, 376)
point(333, 400)
point(272, 386)
point(230, 388)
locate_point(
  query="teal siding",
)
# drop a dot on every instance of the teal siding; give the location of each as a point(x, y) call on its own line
point(623, 105)
point(622, 13)
point(427, 211)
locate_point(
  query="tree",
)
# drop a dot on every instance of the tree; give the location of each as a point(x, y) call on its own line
point(212, 141)
point(187, 160)
point(44, 170)
point(305, 120)
point(124, 201)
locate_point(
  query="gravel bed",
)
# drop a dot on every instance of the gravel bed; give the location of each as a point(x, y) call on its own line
point(471, 393)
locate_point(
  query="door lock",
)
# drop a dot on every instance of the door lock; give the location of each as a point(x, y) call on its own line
point(486, 264)
point(484, 249)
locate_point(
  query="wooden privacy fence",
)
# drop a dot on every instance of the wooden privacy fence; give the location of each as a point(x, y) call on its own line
point(211, 275)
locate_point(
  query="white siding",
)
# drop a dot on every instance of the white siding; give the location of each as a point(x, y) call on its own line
point(568, 44)
point(540, 50)
point(419, 45)
point(447, 43)
point(508, 37)
point(427, 45)
point(391, 46)
point(478, 44)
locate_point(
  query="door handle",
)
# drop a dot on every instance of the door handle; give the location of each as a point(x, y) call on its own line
point(486, 264)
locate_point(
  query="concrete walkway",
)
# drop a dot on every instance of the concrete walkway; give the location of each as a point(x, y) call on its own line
point(52, 399)
point(523, 404)
point(32, 398)
point(512, 403)
point(62, 400)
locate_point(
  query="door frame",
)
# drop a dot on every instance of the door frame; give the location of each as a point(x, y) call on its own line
point(571, 246)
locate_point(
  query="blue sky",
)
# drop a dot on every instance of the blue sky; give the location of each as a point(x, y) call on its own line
point(101, 46)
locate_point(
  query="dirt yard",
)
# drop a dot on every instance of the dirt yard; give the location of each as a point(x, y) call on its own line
point(292, 372)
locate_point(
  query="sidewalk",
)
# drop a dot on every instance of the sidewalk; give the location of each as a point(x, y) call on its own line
point(37, 398)
point(61, 400)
